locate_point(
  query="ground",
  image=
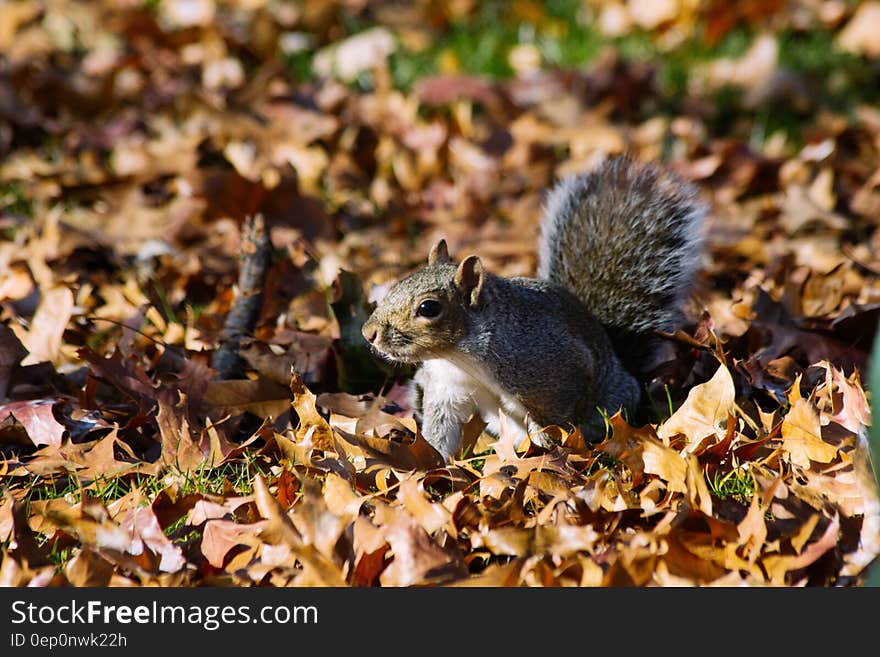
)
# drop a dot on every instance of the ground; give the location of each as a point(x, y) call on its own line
point(146, 147)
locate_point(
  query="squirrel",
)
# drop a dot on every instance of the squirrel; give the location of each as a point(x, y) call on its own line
point(618, 251)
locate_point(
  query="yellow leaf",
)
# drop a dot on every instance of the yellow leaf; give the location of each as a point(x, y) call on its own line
point(802, 436)
point(698, 491)
point(313, 428)
point(704, 412)
point(667, 464)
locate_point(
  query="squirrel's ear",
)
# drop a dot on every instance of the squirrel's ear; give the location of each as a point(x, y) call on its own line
point(469, 279)
point(439, 253)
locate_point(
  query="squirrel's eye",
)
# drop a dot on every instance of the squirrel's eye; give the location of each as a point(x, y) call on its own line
point(429, 309)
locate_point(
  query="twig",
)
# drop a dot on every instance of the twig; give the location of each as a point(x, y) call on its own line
point(242, 317)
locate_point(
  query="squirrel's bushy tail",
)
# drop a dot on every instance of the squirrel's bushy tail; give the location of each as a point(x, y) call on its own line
point(627, 240)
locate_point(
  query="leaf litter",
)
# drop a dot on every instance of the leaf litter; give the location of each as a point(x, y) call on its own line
point(135, 141)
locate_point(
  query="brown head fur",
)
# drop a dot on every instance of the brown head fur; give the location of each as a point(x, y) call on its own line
point(425, 315)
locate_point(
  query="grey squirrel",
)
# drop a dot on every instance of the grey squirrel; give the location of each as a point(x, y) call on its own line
point(618, 251)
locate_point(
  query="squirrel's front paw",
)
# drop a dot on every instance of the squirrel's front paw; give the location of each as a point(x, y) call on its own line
point(447, 444)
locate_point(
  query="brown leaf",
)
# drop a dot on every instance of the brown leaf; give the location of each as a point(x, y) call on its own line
point(312, 430)
point(43, 340)
point(698, 491)
point(340, 497)
point(12, 351)
point(307, 356)
point(88, 568)
point(100, 459)
point(417, 558)
point(360, 52)
point(143, 527)
point(516, 541)
point(24, 547)
point(371, 552)
point(414, 454)
point(684, 563)
point(125, 373)
point(38, 419)
point(779, 566)
point(565, 540)
point(221, 536)
point(494, 575)
point(262, 397)
point(203, 510)
point(865, 479)
point(753, 527)
point(666, 463)
point(180, 448)
point(431, 516)
point(802, 436)
point(280, 529)
point(854, 412)
point(317, 525)
point(704, 412)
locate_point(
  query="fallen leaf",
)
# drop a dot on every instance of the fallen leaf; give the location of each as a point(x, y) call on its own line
point(12, 352)
point(43, 340)
point(802, 436)
point(778, 567)
point(417, 558)
point(360, 52)
point(143, 527)
point(859, 35)
point(38, 420)
point(180, 448)
point(431, 516)
point(704, 412)
point(219, 537)
point(88, 568)
point(312, 430)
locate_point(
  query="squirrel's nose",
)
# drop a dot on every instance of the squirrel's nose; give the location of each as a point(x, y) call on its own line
point(370, 331)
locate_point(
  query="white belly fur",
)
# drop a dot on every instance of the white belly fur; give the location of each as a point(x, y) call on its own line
point(464, 379)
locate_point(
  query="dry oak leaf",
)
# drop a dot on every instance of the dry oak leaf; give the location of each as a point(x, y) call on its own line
point(645, 454)
point(262, 397)
point(778, 566)
point(802, 432)
point(859, 36)
point(37, 418)
point(410, 454)
point(854, 411)
point(565, 540)
point(370, 548)
point(12, 351)
point(317, 525)
point(100, 458)
point(43, 340)
point(339, 496)
point(704, 412)
point(507, 540)
point(88, 568)
point(179, 446)
point(417, 558)
point(313, 430)
point(145, 531)
point(360, 52)
point(220, 536)
point(752, 529)
point(430, 515)
point(281, 530)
